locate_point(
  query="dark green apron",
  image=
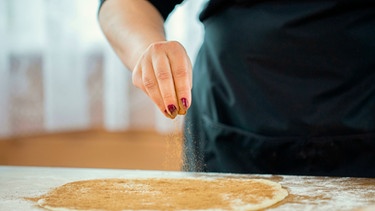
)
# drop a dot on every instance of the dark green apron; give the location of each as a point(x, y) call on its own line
point(285, 87)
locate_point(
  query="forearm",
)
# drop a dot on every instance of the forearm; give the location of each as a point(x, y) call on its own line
point(130, 27)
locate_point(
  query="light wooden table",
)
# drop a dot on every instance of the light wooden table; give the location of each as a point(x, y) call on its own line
point(305, 193)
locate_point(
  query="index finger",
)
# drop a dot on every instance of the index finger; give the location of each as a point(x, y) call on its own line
point(182, 76)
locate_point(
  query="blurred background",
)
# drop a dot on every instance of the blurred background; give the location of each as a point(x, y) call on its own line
point(66, 99)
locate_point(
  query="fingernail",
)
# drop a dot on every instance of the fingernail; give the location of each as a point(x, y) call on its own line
point(184, 102)
point(172, 110)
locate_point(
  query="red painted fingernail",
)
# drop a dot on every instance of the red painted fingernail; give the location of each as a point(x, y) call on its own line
point(184, 102)
point(172, 109)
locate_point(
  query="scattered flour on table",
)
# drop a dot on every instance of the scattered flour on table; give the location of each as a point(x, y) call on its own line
point(320, 193)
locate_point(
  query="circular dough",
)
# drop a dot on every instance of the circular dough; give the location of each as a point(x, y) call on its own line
point(164, 194)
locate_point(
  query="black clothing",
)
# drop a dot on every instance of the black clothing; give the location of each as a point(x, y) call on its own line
point(214, 6)
point(165, 7)
point(284, 87)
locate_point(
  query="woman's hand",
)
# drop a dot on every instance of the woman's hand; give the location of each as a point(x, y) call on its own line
point(162, 69)
point(164, 73)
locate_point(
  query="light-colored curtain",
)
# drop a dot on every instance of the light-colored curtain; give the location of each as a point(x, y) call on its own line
point(58, 73)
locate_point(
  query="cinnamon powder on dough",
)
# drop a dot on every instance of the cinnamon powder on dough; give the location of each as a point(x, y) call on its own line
point(164, 194)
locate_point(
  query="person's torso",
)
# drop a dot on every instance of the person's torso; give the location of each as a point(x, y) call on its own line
point(292, 69)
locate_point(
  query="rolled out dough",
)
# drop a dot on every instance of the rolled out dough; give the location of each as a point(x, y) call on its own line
point(164, 194)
